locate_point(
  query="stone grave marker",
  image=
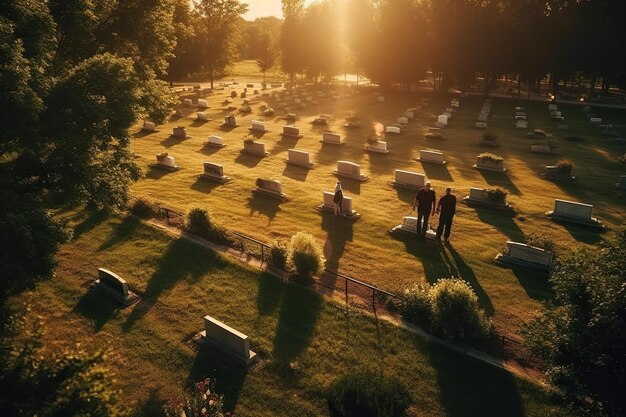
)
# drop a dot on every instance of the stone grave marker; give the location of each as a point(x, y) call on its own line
point(479, 196)
point(350, 170)
point(573, 212)
point(149, 126)
point(228, 340)
point(489, 164)
point(116, 287)
point(291, 132)
point(270, 187)
point(300, 158)
point(166, 161)
point(595, 120)
point(621, 183)
point(554, 173)
point(520, 254)
point(254, 148)
point(187, 102)
point(215, 141)
point(482, 117)
point(540, 149)
point(552, 107)
point(230, 121)
point(435, 157)
point(214, 172)
point(346, 205)
point(332, 138)
point(258, 126)
point(409, 179)
point(180, 132)
point(204, 104)
point(409, 228)
point(521, 124)
point(403, 120)
point(203, 116)
point(379, 147)
point(442, 119)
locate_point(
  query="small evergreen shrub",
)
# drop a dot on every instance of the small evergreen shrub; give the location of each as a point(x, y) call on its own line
point(143, 208)
point(305, 255)
point(278, 254)
point(541, 241)
point(496, 195)
point(198, 221)
point(490, 157)
point(565, 167)
point(456, 313)
point(366, 394)
point(416, 304)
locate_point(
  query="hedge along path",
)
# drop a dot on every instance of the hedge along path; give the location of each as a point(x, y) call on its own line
point(336, 296)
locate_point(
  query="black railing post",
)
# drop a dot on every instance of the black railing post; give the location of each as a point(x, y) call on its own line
point(346, 291)
point(262, 253)
point(374, 300)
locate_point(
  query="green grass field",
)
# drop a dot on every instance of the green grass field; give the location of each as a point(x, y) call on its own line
point(364, 249)
point(304, 341)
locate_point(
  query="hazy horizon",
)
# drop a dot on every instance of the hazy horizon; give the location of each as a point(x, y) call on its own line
point(262, 8)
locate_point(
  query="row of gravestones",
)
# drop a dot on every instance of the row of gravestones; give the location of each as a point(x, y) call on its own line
point(483, 116)
point(444, 118)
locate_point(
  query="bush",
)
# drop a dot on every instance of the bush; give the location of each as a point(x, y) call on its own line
point(372, 140)
point(552, 144)
point(455, 310)
point(490, 137)
point(541, 241)
point(490, 156)
point(496, 195)
point(366, 394)
point(199, 222)
point(537, 133)
point(416, 304)
point(565, 167)
point(305, 255)
point(278, 254)
point(143, 208)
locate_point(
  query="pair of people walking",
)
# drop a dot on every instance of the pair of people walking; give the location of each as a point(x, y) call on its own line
point(424, 202)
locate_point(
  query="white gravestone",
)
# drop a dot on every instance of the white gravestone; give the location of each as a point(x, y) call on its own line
point(116, 287)
point(187, 102)
point(520, 118)
point(553, 172)
point(291, 131)
point(258, 126)
point(166, 161)
point(622, 182)
point(480, 196)
point(228, 340)
point(403, 120)
point(481, 125)
point(524, 255)
point(301, 158)
point(214, 172)
point(269, 187)
point(346, 204)
point(520, 109)
point(489, 164)
point(435, 157)
point(254, 148)
point(409, 227)
point(379, 146)
point(350, 170)
point(202, 116)
point(521, 124)
point(332, 138)
point(203, 103)
point(482, 117)
point(570, 211)
point(215, 141)
point(520, 113)
point(540, 149)
point(443, 119)
point(180, 132)
point(595, 120)
point(409, 179)
point(448, 115)
point(149, 126)
point(439, 125)
point(392, 129)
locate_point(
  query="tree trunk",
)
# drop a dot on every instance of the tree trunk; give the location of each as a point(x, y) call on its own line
point(594, 80)
point(211, 74)
point(519, 85)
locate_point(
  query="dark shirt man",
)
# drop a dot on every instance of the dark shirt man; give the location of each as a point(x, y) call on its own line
point(447, 209)
point(425, 203)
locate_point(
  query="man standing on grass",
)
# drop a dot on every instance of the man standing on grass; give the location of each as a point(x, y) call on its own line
point(446, 208)
point(425, 203)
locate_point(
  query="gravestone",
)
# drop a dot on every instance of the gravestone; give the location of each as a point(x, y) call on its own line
point(269, 187)
point(166, 161)
point(595, 120)
point(300, 158)
point(228, 340)
point(187, 102)
point(540, 149)
point(553, 172)
point(552, 107)
point(203, 103)
point(481, 125)
point(410, 114)
point(521, 124)
point(439, 125)
point(489, 164)
point(409, 179)
point(403, 120)
point(520, 108)
point(520, 113)
point(434, 157)
point(379, 146)
point(520, 118)
point(258, 126)
point(350, 170)
point(621, 183)
point(479, 196)
point(233, 94)
point(230, 121)
point(448, 115)
point(409, 228)
point(392, 129)
point(180, 132)
point(214, 172)
point(346, 205)
point(520, 254)
point(202, 116)
point(443, 119)
point(115, 287)
point(291, 132)
point(332, 138)
point(482, 117)
point(254, 148)
point(249, 85)
point(215, 141)
point(573, 212)
point(149, 126)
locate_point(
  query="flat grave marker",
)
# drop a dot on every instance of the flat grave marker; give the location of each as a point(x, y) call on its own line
point(520, 254)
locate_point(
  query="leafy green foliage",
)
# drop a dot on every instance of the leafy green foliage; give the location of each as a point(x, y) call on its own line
point(497, 195)
point(198, 221)
point(456, 313)
point(278, 254)
point(416, 306)
point(305, 255)
point(366, 394)
point(581, 335)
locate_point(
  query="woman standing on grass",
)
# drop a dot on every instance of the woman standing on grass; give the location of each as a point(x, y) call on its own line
point(338, 198)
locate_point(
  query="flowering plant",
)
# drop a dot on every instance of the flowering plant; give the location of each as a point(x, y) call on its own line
point(199, 402)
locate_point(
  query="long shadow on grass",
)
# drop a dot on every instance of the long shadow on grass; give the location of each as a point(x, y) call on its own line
point(263, 205)
point(204, 185)
point(151, 406)
point(437, 171)
point(501, 220)
point(296, 323)
point(93, 219)
point(270, 294)
point(96, 307)
point(228, 374)
point(581, 233)
point(173, 140)
point(283, 144)
point(535, 283)
point(296, 172)
point(350, 185)
point(465, 271)
point(500, 179)
point(248, 160)
point(339, 231)
point(181, 261)
point(469, 387)
point(121, 232)
point(155, 173)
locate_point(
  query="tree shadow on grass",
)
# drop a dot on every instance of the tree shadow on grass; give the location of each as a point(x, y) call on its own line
point(270, 294)
point(469, 387)
point(500, 179)
point(173, 140)
point(91, 221)
point(97, 307)
point(535, 283)
point(122, 231)
point(339, 231)
point(182, 260)
point(229, 375)
point(142, 133)
point(296, 172)
point(263, 205)
point(437, 172)
point(501, 220)
point(298, 316)
point(151, 406)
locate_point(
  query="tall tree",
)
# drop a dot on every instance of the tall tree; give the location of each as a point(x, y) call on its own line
point(266, 53)
point(292, 47)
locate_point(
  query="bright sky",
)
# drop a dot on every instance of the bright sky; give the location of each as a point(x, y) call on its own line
point(261, 8)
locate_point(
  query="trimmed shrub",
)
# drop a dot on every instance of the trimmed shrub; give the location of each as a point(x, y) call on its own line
point(305, 255)
point(496, 195)
point(455, 311)
point(198, 221)
point(490, 137)
point(366, 394)
point(537, 133)
point(565, 167)
point(490, 156)
point(143, 208)
point(541, 241)
point(278, 254)
point(416, 305)
point(552, 144)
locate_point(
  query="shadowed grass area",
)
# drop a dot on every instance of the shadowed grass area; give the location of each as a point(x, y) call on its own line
point(304, 342)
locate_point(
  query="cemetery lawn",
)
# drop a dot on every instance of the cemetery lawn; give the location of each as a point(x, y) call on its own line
point(304, 340)
point(364, 249)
